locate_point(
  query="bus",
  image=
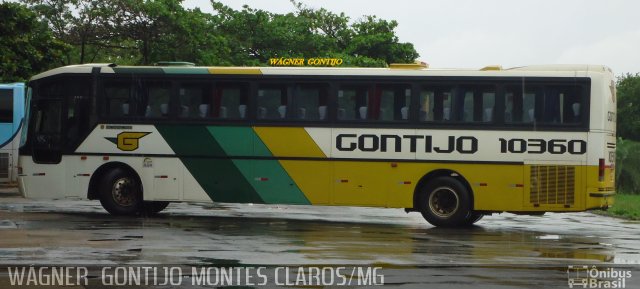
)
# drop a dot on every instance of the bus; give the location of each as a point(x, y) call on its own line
point(11, 119)
point(454, 145)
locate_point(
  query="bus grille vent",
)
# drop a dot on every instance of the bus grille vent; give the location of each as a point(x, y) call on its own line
point(552, 185)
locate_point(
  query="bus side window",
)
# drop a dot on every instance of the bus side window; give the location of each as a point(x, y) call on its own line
point(230, 101)
point(157, 95)
point(563, 104)
point(393, 103)
point(272, 101)
point(117, 95)
point(520, 104)
point(309, 102)
point(353, 102)
point(475, 104)
point(194, 102)
point(544, 104)
point(436, 103)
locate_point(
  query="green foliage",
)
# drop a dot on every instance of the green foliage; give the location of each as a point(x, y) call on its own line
point(80, 24)
point(628, 99)
point(376, 39)
point(149, 31)
point(27, 46)
point(628, 166)
point(625, 206)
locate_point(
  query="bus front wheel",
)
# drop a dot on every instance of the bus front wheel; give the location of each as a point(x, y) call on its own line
point(445, 202)
point(120, 193)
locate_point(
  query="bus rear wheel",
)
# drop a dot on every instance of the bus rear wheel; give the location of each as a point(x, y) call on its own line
point(473, 218)
point(445, 202)
point(120, 193)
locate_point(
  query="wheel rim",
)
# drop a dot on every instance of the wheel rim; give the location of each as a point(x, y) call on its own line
point(444, 202)
point(123, 192)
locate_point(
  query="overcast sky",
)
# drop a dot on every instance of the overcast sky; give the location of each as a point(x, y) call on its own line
point(476, 33)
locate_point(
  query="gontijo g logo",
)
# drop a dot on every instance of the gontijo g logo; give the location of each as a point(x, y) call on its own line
point(128, 141)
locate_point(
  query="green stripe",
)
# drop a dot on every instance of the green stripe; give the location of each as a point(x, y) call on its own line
point(267, 177)
point(220, 178)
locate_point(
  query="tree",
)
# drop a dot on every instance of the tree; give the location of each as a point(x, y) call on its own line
point(78, 23)
point(628, 99)
point(148, 31)
point(27, 46)
point(627, 166)
point(628, 131)
point(367, 42)
point(375, 38)
point(257, 35)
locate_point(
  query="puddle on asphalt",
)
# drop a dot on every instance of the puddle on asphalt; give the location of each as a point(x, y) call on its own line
point(304, 235)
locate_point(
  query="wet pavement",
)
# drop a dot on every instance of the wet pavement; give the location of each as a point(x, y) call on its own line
point(502, 251)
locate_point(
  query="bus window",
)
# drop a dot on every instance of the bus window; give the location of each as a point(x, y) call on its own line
point(562, 105)
point(157, 94)
point(194, 100)
point(474, 104)
point(230, 101)
point(488, 106)
point(6, 105)
point(149, 99)
point(352, 102)
point(394, 103)
point(117, 95)
point(544, 104)
point(309, 102)
point(435, 103)
point(272, 102)
point(386, 102)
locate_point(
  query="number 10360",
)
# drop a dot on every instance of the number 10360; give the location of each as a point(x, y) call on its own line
point(541, 146)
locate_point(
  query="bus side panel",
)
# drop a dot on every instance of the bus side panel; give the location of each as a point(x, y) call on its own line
point(167, 179)
point(42, 181)
point(192, 191)
point(496, 187)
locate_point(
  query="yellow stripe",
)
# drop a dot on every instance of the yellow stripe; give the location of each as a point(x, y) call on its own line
point(312, 177)
point(289, 142)
point(234, 70)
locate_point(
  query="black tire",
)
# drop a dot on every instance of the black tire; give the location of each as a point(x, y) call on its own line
point(473, 218)
point(120, 193)
point(445, 202)
point(154, 207)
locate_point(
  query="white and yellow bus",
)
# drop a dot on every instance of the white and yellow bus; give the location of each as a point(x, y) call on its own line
point(453, 145)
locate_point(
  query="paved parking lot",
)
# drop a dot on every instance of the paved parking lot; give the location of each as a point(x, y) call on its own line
point(502, 251)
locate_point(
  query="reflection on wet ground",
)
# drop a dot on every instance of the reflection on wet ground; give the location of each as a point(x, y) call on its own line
point(40, 232)
point(72, 232)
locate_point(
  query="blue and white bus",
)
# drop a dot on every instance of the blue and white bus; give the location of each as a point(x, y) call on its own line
point(12, 100)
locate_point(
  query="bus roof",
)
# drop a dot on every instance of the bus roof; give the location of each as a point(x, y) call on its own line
point(566, 70)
